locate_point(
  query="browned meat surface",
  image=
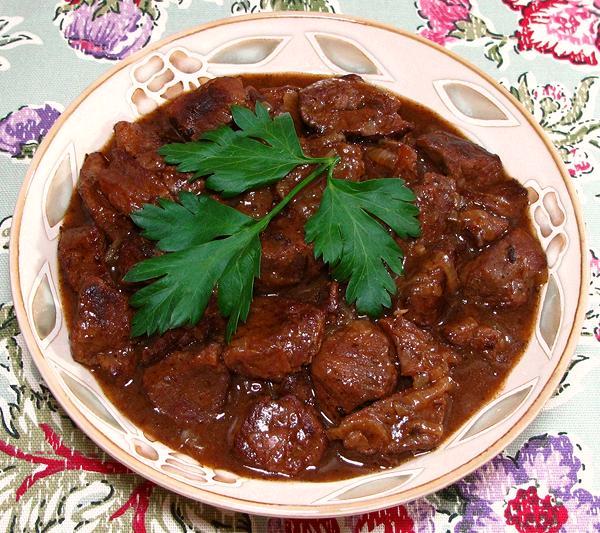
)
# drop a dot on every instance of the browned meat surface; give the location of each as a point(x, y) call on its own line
point(105, 216)
point(279, 337)
point(506, 199)
point(465, 161)
point(128, 186)
point(411, 420)
point(286, 258)
point(137, 139)
point(207, 108)
point(421, 357)
point(283, 436)
point(506, 273)
point(281, 100)
point(438, 202)
point(482, 227)
point(467, 332)
point(393, 159)
point(81, 253)
point(132, 250)
point(424, 293)
point(256, 203)
point(101, 322)
point(189, 386)
point(349, 105)
point(355, 365)
point(119, 364)
point(299, 385)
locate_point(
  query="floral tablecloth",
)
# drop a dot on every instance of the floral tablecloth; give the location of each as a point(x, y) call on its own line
point(53, 478)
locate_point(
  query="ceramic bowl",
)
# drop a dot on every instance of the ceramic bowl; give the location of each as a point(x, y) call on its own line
point(386, 56)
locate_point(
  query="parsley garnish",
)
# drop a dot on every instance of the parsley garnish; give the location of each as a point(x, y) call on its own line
point(355, 244)
point(212, 247)
point(260, 153)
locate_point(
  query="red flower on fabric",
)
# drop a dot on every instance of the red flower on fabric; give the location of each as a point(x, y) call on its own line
point(567, 29)
point(394, 520)
point(529, 513)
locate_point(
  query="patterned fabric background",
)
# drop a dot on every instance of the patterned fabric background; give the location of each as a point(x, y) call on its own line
point(52, 477)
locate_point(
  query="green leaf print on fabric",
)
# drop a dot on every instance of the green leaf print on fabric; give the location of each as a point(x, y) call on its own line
point(256, 6)
point(566, 118)
point(23, 398)
point(9, 39)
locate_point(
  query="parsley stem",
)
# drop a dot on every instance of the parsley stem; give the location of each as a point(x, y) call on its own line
point(327, 165)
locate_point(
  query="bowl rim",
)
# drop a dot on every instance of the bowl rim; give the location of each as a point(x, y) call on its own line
point(274, 509)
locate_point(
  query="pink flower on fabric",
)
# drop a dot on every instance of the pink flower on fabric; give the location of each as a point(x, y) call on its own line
point(567, 29)
point(517, 5)
point(442, 16)
point(536, 492)
point(578, 163)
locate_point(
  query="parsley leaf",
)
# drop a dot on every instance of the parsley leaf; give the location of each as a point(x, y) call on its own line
point(358, 248)
point(261, 152)
point(188, 275)
point(196, 220)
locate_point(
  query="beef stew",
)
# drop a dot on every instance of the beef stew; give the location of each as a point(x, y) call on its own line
point(307, 388)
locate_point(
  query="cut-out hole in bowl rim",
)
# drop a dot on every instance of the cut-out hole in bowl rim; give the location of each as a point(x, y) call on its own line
point(185, 62)
point(371, 486)
point(495, 412)
point(151, 66)
point(88, 400)
point(344, 55)
point(58, 190)
point(550, 315)
point(473, 104)
point(252, 51)
point(44, 307)
point(144, 449)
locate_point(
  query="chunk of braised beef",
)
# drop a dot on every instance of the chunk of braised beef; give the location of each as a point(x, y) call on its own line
point(506, 199)
point(467, 332)
point(349, 105)
point(354, 366)
point(208, 107)
point(282, 436)
point(190, 385)
point(279, 337)
point(481, 226)
point(81, 254)
point(105, 216)
point(286, 258)
point(177, 181)
point(299, 385)
point(129, 252)
point(424, 293)
point(467, 162)
point(279, 100)
point(507, 273)
point(408, 421)
point(393, 159)
point(438, 201)
point(128, 186)
point(119, 364)
point(256, 203)
point(102, 320)
point(136, 139)
point(421, 356)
